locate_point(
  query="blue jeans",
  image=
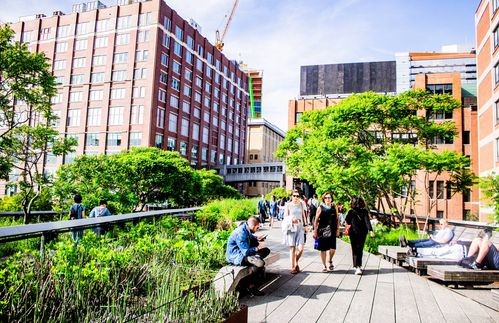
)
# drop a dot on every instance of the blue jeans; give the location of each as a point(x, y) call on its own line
point(422, 243)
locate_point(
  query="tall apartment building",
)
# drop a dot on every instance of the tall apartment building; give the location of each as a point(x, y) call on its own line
point(255, 90)
point(138, 74)
point(487, 43)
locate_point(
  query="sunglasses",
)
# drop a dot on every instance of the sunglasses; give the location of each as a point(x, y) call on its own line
point(328, 198)
point(296, 195)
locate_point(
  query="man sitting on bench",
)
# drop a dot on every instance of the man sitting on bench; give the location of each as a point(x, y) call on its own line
point(246, 249)
point(443, 237)
point(487, 255)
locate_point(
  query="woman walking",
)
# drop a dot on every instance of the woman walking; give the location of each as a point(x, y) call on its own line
point(326, 229)
point(294, 230)
point(273, 210)
point(358, 220)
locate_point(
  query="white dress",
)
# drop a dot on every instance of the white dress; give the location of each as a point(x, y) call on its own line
point(294, 237)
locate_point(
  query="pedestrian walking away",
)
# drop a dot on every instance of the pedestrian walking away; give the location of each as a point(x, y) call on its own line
point(76, 212)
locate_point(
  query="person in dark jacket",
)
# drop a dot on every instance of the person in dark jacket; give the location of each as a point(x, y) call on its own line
point(358, 219)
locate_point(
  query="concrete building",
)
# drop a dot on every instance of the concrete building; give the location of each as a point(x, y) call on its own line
point(255, 90)
point(487, 42)
point(138, 74)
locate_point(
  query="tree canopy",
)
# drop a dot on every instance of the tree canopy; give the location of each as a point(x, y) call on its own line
point(374, 145)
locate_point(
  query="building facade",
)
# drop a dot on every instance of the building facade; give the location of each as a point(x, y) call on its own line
point(255, 90)
point(487, 42)
point(138, 74)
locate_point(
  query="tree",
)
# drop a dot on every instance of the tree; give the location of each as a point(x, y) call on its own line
point(490, 190)
point(26, 117)
point(374, 145)
point(213, 187)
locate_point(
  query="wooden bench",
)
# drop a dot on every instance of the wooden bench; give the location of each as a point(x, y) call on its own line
point(457, 275)
point(228, 277)
point(419, 265)
point(394, 254)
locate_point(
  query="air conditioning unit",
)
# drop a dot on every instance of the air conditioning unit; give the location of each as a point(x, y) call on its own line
point(40, 15)
point(58, 13)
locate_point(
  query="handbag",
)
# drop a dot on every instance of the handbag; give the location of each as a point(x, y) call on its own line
point(347, 229)
point(325, 232)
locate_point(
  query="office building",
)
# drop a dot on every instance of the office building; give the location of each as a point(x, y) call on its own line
point(255, 91)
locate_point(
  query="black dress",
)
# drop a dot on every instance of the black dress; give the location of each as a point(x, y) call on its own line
point(328, 217)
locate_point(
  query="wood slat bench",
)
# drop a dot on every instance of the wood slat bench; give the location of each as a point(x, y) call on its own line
point(420, 264)
point(457, 275)
point(394, 254)
point(228, 277)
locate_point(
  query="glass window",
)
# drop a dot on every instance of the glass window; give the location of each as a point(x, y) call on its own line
point(75, 96)
point(175, 84)
point(183, 148)
point(73, 118)
point(179, 33)
point(187, 90)
point(496, 37)
point(141, 55)
point(174, 101)
point(158, 141)
point(143, 36)
point(137, 115)
point(140, 73)
point(162, 95)
point(431, 189)
point(188, 57)
point(94, 117)
point(205, 135)
point(190, 42)
point(139, 92)
point(164, 59)
point(119, 75)
point(78, 62)
point(81, 44)
point(186, 107)
point(172, 144)
point(103, 25)
point(82, 28)
point(124, 22)
point(100, 42)
point(120, 58)
point(123, 39)
point(172, 122)
point(97, 77)
point(163, 77)
point(177, 49)
point(118, 93)
point(114, 139)
point(160, 118)
point(145, 19)
point(115, 116)
point(61, 47)
point(63, 31)
point(496, 74)
point(135, 139)
point(440, 190)
point(176, 67)
point(165, 41)
point(99, 60)
point(184, 131)
point(92, 139)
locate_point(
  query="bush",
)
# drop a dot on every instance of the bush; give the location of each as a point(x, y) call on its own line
point(278, 192)
point(222, 214)
point(386, 237)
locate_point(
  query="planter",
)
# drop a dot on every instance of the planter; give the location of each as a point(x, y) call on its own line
point(240, 316)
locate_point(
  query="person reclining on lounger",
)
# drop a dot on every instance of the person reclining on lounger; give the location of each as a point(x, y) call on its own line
point(443, 237)
point(452, 251)
point(246, 249)
point(485, 254)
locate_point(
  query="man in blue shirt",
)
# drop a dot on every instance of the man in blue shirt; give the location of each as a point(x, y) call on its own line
point(443, 237)
point(246, 249)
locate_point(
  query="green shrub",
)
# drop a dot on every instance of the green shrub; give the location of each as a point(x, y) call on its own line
point(278, 192)
point(222, 214)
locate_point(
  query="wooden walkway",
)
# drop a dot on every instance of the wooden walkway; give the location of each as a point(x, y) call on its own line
point(384, 293)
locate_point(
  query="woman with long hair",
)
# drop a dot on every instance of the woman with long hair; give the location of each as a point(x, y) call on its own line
point(358, 219)
point(326, 229)
point(294, 230)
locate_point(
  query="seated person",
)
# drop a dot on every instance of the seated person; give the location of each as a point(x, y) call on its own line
point(443, 236)
point(452, 251)
point(245, 249)
point(487, 255)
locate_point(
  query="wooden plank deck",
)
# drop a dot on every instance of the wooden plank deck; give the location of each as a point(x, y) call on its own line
point(385, 293)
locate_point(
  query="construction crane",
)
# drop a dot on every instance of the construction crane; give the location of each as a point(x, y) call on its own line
point(219, 42)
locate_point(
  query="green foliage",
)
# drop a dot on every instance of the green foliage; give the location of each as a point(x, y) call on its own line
point(490, 190)
point(386, 236)
point(278, 192)
point(213, 188)
point(222, 214)
point(348, 149)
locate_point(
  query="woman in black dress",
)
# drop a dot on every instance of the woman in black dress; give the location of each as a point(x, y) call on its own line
point(326, 229)
point(358, 219)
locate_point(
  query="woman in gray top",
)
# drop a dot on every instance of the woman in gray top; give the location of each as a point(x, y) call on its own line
point(293, 230)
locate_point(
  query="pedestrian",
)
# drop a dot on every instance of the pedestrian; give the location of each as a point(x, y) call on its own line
point(313, 205)
point(273, 210)
point(358, 220)
point(294, 230)
point(282, 207)
point(76, 212)
point(262, 209)
point(97, 212)
point(326, 229)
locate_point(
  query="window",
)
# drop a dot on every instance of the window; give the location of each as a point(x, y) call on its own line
point(96, 95)
point(184, 130)
point(158, 141)
point(206, 116)
point(139, 92)
point(63, 31)
point(177, 49)
point(440, 190)
point(199, 65)
point(197, 97)
point(122, 39)
point(119, 75)
point(186, 107)
point(497, 110)
point(114, 139)
point(166, 41)
point(466, 137)
point(213, 157)
point(140, 73)
point(103, 25)
point(194, 152)
point(497, 149)
point(183, 148)
point(92, 139)
point(197, 113)
point(73, 118)
point(204, 153)
point(120, 58)
point(143, 36)
point(100, 42)
point(440, 214)
point(141, 55)
point(438, 115)
point(124, 22)
point(115, 116)
point(164, 59)
point(398, 137)
point(188, 74)
point(175, 84)
point(93, 117)
point(229, 144)
point(188, 57)
point(99, 60)
point(209, 58)
point(61, 47)
point(160, 118)
point(162, 95)
point(78, 62)
point(179, 33)
point(215, 121)
point(205, 135)
point(97, 77)
point(137, 115)
point(448, 190)
point(176, 67)
point(200, 50)
point(167, 23)
point(57, 98)
point(187, 90)
point(26, 36)
point(437, 140)
point(174, 102)
point(75, 96)
point(496, 37)
point(172, 122)
point(172, 144)
point(59, 64)
point(163, 77)
point(81, 44)
point(117, 93)
point(431, 189)
point(207, 102)
point(135, 139)
point(145, 19)
point(467, 195)
point(496, 74)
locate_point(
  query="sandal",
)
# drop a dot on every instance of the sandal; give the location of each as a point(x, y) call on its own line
point(324, 270)
point(331, 267)
point(294, 272)
point(297, 268)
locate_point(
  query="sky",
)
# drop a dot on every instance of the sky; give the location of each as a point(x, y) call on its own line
point(279, 36)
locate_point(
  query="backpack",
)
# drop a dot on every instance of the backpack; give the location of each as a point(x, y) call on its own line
point(74, 212)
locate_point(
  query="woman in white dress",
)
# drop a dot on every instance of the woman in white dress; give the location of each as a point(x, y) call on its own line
point(293, 230)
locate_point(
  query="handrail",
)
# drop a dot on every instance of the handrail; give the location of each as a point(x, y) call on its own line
point(21, 232)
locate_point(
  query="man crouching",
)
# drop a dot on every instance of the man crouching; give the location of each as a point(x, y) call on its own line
point(246, 249)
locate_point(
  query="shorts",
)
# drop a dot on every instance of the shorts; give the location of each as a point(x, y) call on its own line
point(491, 260)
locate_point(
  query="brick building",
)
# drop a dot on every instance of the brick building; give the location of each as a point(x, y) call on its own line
point(138, 74)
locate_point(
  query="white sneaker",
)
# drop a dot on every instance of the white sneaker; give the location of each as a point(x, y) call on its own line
point(358, 271)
